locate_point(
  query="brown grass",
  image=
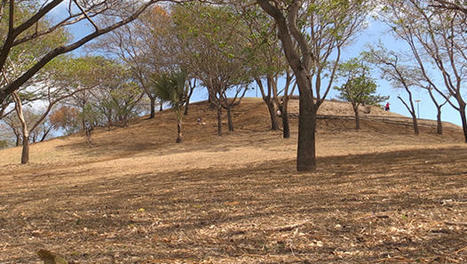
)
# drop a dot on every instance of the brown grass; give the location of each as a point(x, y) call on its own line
point(381, 195)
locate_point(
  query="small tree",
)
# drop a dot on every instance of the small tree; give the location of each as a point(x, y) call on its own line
point(359, 88)
point(172, 88)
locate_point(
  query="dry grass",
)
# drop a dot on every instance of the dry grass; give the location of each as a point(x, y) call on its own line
point(381, 195)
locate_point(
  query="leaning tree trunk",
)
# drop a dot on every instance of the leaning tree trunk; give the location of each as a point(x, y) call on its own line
point(219, 120)
point(229, 118)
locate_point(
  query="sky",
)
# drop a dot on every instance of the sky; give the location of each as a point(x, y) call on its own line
point(375, 32)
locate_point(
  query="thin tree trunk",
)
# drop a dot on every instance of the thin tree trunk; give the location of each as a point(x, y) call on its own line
point(229, 119)
point(357, 117)
point(179, 131)
point(464, 121)
point(412, 112)
point(153, 108)
point(272, 113)
point(439, 126)
point(18, 140)
point(24, 128)
point(161, 108)
point(219, 120)
point(186, 106)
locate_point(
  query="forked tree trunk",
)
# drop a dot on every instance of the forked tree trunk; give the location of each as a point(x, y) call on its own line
point(219, 120)
point(229, 119)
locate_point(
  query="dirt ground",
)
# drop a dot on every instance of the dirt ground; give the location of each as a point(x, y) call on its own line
point(380, 195)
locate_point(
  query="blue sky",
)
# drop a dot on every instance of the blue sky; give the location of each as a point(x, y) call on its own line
point(375, 32)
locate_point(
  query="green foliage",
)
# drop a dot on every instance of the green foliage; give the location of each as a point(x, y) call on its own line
point(359, 88)
point(171, 87)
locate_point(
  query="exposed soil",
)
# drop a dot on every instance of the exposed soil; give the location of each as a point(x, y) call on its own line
point(380, 195)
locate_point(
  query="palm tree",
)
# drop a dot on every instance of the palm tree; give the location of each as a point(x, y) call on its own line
point(171, 87)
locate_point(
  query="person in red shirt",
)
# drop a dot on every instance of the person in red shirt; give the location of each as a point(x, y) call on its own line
point(386, 108)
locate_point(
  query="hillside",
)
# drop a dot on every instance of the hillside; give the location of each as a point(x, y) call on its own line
point(381, 194)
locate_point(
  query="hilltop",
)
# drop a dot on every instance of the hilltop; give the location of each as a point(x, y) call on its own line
point(135, 196)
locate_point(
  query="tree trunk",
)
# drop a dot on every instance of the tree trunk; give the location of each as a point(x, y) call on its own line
point(179, 131)
point(25, 152)
point(272, 113)
point(153, 108)
point(306, 151)
point(439, 127)
point(161, 108)
point(464, 121)
point(219, 120)
point(285, 119)
point(415, 124)
point(357, 117)
point(186, 106)
point(229, 119)
point(18, 140)
point(24, 128)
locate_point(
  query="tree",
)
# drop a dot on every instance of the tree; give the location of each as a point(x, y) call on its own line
point(173, 88)
point(436, 40)
point(19, 30)
point(66, 118)
point(216, 51)
point(311, 32)
point(400, 75)
point(359, 88)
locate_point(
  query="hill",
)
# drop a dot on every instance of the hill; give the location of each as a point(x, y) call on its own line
point(381, 194)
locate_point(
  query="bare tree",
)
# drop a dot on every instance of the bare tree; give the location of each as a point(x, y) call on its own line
point(437, 42)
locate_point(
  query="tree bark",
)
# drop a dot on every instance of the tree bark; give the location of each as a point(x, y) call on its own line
point(179, 131)
point(25, 152)
point(18, 140)
point(272, 113)
point(24, 128)
point(153, 108)
point(229, 119)
point(219, 120)
point(357, 117)
point(439, 126)
point(464, 121)
point(285, 118)
point(306, 151)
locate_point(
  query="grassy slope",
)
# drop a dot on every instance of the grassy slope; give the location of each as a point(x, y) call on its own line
point(379, 192)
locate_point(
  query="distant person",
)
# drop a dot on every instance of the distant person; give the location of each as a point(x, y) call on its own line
point(386, 108)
